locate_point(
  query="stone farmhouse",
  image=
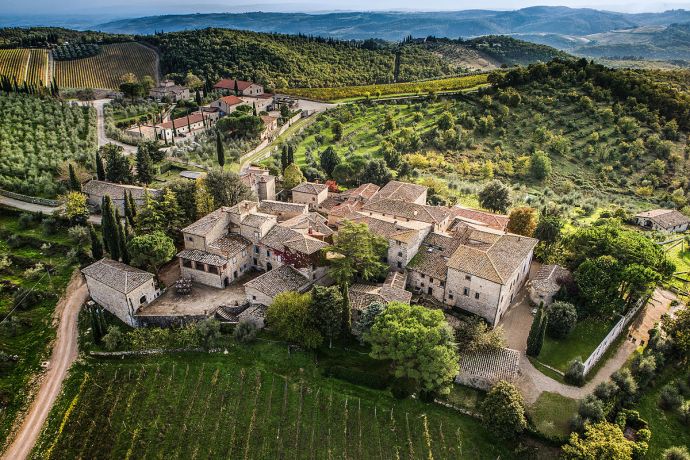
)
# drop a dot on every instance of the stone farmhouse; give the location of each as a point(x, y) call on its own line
point(191, 124)
point(119, 288)
point(244, 88)
point(547, 282)
point(168, 89)
point(392, 290)
point(96, 190)
point(263, 289)
point(665, 220)
point(228, 104)
point(261, 182)
point(310, 193)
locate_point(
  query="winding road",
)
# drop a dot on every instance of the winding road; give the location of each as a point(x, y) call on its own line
point(100, 124)
point(64, 353)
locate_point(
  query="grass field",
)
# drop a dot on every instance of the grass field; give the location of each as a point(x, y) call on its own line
point(106, 69)
point(27, 331)
point(253, 403)
point(407, 88)
point(551, 414)
point(24, 64)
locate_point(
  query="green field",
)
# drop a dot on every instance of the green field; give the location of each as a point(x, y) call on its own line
point(552, 413)
point(389, 89)
point(251, 403)
point(27, 331)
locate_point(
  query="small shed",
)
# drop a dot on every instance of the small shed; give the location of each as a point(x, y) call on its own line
point(547, 282)
point(484, 368)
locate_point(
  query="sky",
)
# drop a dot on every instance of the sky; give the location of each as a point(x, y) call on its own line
point(134, 8)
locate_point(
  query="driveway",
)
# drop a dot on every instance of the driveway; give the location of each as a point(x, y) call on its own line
point(100, 123)
point(532, 382)
point(64, 354)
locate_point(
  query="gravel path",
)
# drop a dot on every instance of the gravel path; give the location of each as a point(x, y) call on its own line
point(64, 354)
point(100, 123)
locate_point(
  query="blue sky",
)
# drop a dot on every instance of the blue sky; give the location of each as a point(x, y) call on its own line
point(131, 8)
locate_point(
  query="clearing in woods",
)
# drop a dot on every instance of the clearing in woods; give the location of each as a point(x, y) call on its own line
point(25, 64)
point(226, 406)
point(105, 70)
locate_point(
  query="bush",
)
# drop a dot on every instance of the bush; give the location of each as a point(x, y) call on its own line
point(50, 226)
point(503, 410)
point(25, 220)
point(575, 375)
point(625, 381)
point(26, 298)
point(676, 453)
point(245, 331)
point(403, 387)
point(113, 339)
point(562, 319)
point(357, 377)
point(592, 408)
point(669, 397)
point(606, 390)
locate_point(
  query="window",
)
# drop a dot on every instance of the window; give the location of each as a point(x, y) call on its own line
point(142, 300)
point(399, 253)
point(268, 253)
point(466, 291)
point(476, 295)
point(468, 277)
point(423, 275)
point(187, 263)
point(422, 284)
point(399, 264)
point(450, 296)
point(431, 280)
point(256, 249)
point(253, 297)
point(189, 238)
point(442, 284)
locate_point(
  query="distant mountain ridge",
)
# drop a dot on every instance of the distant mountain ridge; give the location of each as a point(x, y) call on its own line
point(394, 26)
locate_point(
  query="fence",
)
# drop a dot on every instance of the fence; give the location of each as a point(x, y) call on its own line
point(30, 199)
point(613, 334)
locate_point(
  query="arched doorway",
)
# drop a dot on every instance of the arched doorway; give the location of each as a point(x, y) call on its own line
point(269, 266)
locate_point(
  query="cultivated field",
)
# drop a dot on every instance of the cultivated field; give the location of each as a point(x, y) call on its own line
point(198, 406)
point(24, 64)
point(414, 87)
point(106, 69)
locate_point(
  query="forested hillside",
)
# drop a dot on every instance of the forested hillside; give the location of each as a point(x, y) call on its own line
point(295, 61)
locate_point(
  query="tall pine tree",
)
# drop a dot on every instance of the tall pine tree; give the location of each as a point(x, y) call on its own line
point(291, 154)
point(219, 149)
point(74, 183)
point(122, 237)
point(347, 312)
point(110, 230)
point(145, 170)
point(284, 158)
point(535, 339)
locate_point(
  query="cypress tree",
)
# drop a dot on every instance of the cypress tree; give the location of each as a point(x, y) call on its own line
point(535, 339)
point(198, 98)
point(219, 149)
point(291, 154)
point(132, 208)
point(122, 237)
point(284, 158)
point(96, 245)
point(74, 183)
point(254, 108)
point(110, 229)
point(237, 89)
point(100, 170)
point(347, 312)
point(128, 211)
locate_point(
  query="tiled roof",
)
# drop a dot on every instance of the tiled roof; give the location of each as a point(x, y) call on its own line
point(333, 200)
point(361, 295)
point(490, 256)
point(275, 207)
point(256, 219)
point(496, 221)
point(181, 122)
point(116, 275)
point(408, 210)
point(489, 366)
point(267, 119)
point(305, 244)
point(666, 218)
point(230, 245)
point(280, 237)
point(364, 191)
point(203, 257)
point(229, 83)
point(387, 230)
point(400, 190)
point(204, 225)
point(432, 257)
point(346, 209)
point(281, 279)
point(310, 187)
point(116, 191)
point(549, 278)
point(231, 100)
point(312, 223)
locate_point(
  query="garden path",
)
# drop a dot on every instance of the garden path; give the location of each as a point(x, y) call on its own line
point(64, 353)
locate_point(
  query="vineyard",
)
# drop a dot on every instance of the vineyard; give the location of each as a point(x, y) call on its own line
point(106, 69)
point(24, 64)
point(207, 407)
point(414, 87)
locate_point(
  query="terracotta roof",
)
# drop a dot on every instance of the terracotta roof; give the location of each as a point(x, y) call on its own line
point(408, 210)
point(400, 190)
point(116, 275)
point(116, 191)
point(204, 225)
point(231, 100)
point(275, 207)
point(230, 245)
point(433, 255)
point(181, 122)
point(496, 221)
point(490, 256)
point(229, 83)
point(267, 119)
point(305, 244)
point(666, 218)
point(549, 278)
point(203, 257)
point(310, 187)
point(364, 191)
point(282, 279)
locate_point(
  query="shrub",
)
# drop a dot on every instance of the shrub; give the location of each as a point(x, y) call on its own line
point(357, 377)
point(625, 381)
point(26, 298)
point(575, 374)
point(684, 412)
point(606, 390)
point(245, 331)
point(562, 319)
point(25, 220)
point(676, 453)
point(592, 408)
point(669, 397)
point(113, 338)
point(403, 387)
point(50, 226)
point(503, 410)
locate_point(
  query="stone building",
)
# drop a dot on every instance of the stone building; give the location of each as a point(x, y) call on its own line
point(665, 220)
point(96, 190)
point(261, 182)
point(244, 88)
point(168, 89)
point(392, 290)
point(119, 288)
point(310, 194)
point(485, 368)
point(547, 282)
point(263, 289)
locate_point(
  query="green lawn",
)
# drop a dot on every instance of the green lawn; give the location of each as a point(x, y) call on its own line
point(551, 414)
point(28, 330)
point(257, 401)
point(667, 429)
point(580, 343)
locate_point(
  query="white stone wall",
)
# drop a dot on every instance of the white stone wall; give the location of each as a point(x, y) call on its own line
point(121, 305)
point(256, 297)
point(310, 199)
point(420, 282)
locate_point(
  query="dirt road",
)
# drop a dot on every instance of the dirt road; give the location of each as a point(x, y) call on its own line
point(64, 354)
